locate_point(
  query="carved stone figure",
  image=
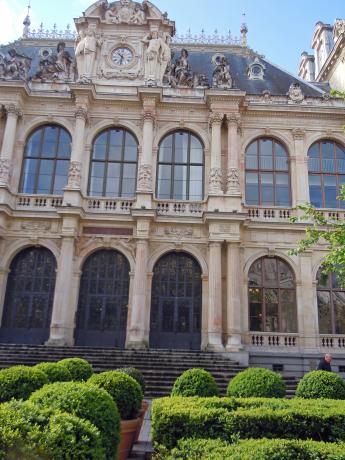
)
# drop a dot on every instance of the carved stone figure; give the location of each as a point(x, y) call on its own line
point(215, 180)
point(165, 55)
point(233, 182)
point(14, 67)
point(125, 12)
point(157, 56)
point(200, 80)
point(5, 171)
point(221, 74)
point(85, 54)
point(183, 71)
point(145, 178)
point(56, 66)
point(295, 93)
point(74, 175)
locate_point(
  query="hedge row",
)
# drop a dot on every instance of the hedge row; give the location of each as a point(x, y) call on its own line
point(263, 449)
point(172, 422)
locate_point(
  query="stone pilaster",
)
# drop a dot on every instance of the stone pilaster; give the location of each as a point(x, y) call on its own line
point(75, 169)
point(215, 298)
point(145, 160)
point(6, 157)
point(232, 178)
point(62, 323)
point(299, 168)
point(216, 175)
point(136, 330)
point(234, 283)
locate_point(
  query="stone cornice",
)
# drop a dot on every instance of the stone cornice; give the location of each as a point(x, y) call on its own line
point(332, 58)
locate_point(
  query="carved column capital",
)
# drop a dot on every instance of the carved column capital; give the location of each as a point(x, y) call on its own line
point(298, 134)
point(233, 119)
point(148, 115)
point(215, 180)
point(81, 113)
point(74, 175)
point(145, 178)
point(215, 118)
point(13, 109)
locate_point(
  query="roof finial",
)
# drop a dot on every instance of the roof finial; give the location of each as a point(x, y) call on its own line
point(244, 30)
point(27, 22)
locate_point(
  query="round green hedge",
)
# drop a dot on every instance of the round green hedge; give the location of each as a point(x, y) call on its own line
point(137, 375)
point(55, 372)
point(85, 401)
point(321, 384)
point(125, 391)
point(195, 382)
point(19, 382)
point(80, 369)
point(31, 432)
point(257, 382)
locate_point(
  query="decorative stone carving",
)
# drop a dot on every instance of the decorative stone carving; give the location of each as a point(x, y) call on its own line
point(87, 45)
point(215, 118)
point(221, 77)
point(267, 95)
point(40, 226)
point(298, 134)
point(179, 232)
point(339, 28)
point(233, 118)
point(232, 181)
point(74, 175)
point(5, 171)
point(200, 81)
point(81, 113)
point(295, 93)
point(125, 12)
point(55, 66)
point(14, 67)
point(14, 110)
point(256, 70)
point(157, 57)
point(179, 73)
point(215, 180)
point(145, 178)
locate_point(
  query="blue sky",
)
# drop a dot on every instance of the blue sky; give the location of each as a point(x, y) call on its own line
point(278, 29)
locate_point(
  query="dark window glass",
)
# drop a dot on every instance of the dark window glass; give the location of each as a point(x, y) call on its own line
point(267, 174)
point(46, 161)
point(326, 174)
point(331, 304)
point(272, 296)
point(113, 169)
point(180, 173)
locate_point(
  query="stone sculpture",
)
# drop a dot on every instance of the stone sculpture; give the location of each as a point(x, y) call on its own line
point(125, 12)
point(157, 57)
point(221, 75)
point(87, 45)
point(57, 66)
point(14, 67)
point(295, 93)
point(180, 74)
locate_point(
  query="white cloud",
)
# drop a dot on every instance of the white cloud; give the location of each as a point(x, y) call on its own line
point(12, 15)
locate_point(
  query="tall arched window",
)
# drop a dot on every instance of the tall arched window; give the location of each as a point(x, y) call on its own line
point(180, 167)
point(326, 174)
point(267, 174)
point(46, 161)
point(113, 170)
point(331, 304)
point(272, 296)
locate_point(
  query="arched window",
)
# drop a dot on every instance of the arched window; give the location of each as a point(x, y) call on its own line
point(272, 296)
point(29, 297)
point(267, 174)
point(46, 161)
point(113, 170)
point(331, 304)
point(180, 167)
point(326, 174)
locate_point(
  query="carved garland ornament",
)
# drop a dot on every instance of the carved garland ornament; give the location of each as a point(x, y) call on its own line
point(145, 178)
point(215, 180)
point(74, 175)
point(233, 182)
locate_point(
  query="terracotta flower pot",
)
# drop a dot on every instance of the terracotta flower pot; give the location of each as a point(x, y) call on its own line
point(129, 430)
point(142, 412)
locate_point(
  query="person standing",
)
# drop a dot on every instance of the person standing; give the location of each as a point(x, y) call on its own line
point(325, 363)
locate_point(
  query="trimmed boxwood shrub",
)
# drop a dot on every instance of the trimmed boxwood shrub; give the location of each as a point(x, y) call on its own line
point(257, 382)
point(80, 369)
point(85, 401)
point(55, 372)
point(20, 381)
point(195, 382)
point(31, 432)
point(321, 384)
point(263, 449)
point(297, 421)
point(125, 391)
point(137, 375)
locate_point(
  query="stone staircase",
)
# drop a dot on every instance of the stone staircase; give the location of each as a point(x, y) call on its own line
point(159, 367)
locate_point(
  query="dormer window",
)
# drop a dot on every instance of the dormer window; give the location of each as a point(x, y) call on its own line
point(256, 70)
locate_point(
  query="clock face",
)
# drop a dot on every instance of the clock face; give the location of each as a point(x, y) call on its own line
point(122, 56)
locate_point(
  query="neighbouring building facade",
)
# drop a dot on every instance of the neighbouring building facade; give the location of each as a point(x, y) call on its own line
point(146, 187)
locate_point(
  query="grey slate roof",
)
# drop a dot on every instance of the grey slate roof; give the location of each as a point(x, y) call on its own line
point(276, 80)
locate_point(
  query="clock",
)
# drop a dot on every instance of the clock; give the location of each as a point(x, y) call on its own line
point(122, 56)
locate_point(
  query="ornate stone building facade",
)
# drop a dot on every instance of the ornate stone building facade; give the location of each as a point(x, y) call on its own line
point(146, 186)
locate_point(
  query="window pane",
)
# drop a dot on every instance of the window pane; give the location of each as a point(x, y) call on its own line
point(288, 311)
point(164, 182)
point(339, 312)
point(97, 179)
point(255, 309)
point(266, 154)
point(195, 183)
point(252, 156)
point(328, 163)
point(165, 150)
point(282, 190)
point(330, 191)
point(33, 146)
point(29, 176)
point(281, 158)
point(315, 191)
point(270, 278)
point(271, 305)
point(100, 147)
point(45, 176)
point(196, 151)
point(255, 274)
point(64, 147)
point(267, 191)
point(252, 188)
point(50, 140)
point(322, 278)
point(61, 175)
point(180, 183)
point(324, 307)
point(128, 188)
point(340, 154)
point(181, 147)
point(286, 279)
point(131, 153)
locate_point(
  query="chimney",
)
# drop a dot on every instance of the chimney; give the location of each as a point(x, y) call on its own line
point(322, 44)
point(307, 67)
